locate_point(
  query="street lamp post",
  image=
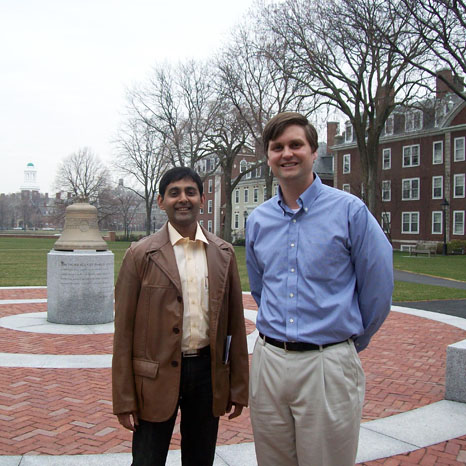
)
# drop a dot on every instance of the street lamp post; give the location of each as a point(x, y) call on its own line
point(444, 205)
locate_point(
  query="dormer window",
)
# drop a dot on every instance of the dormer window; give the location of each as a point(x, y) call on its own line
point(243, 166)
point(389, 125)
point(413, 120)
point(348, 132)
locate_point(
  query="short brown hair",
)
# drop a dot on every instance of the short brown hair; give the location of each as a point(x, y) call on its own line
point(277, 125)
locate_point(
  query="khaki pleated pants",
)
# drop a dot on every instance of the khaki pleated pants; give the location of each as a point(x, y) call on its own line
point(306, 406)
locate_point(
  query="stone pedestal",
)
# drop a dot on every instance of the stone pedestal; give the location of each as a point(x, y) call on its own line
point(80, 287)
point(455, 377)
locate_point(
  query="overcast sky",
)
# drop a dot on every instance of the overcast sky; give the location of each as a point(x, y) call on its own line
point(65, 65)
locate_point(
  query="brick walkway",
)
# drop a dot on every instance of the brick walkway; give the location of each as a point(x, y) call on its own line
point(68, 411)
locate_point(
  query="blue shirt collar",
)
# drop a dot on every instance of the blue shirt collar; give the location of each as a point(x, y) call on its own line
point(306, 199)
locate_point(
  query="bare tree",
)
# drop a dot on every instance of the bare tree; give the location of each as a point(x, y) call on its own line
point(339, 51)
point(177, 103)
point(441, 26)
point(83, 175)
point(142, 155)
point(229, 138)
point(256, 86)
point(127, 203)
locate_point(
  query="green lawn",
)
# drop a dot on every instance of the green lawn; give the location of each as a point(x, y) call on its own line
point(23, 262)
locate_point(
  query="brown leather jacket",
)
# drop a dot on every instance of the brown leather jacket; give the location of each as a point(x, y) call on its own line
point(148, 327)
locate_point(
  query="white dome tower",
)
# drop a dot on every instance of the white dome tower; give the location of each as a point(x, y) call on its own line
point(30, 179)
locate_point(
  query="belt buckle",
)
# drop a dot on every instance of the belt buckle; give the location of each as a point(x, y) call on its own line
point(191, 354)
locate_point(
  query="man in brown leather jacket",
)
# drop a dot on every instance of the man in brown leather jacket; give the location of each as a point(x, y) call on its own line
point(179, 332)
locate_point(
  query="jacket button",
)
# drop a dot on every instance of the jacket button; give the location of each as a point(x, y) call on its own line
point(175, 363)
point(179, 299)
point(176, 330)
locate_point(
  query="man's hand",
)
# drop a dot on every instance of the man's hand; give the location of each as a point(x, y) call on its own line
point(236, 412)
point(128, 421)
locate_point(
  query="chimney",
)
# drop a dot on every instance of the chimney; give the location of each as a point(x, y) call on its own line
point(58, 196)
point(333, 128)
point(441, 86)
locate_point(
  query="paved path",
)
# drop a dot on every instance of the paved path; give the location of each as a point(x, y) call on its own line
point(62, 415)
point(402, 276)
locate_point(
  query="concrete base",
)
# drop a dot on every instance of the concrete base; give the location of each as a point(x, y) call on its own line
point(80, 287)
point(455, 378)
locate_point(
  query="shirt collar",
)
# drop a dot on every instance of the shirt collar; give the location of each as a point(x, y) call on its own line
point(175, 236)
point(305, 199)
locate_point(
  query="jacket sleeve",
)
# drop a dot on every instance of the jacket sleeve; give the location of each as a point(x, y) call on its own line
point(239, 360)
point(126, 299)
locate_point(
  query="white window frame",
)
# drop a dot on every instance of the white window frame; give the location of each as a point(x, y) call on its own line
point(209, 206)
point(386, 221)
point(346, 187)
point(386, 190)
point(437, 219)
point(236, 196)
point(209, 226)
point(255, 195)
point(411, 231)
point(413, 120)
point(458, 185)
point(437, 158)
point(456, 223)
point(276, 190)
point(410, 150)
point(243, 166)
point(209, 189)
point(258, 172)
point(236, 221)
point(458, 151)
point(389, 125)
point(201, 211)
point(248, 175)
point(386, 159)
point(246, 195)
point(348, 132)
point(346, 163)
point(410, 196)
point(201, 222)
point(436, 179)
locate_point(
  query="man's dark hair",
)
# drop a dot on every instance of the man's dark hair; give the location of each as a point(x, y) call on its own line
point(177, 174)
point(277, 125)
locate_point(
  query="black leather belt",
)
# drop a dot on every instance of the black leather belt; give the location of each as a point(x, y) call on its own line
point(295, 345)
point(197, 352)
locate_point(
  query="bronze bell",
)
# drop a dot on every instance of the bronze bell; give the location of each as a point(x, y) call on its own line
point(81, 229)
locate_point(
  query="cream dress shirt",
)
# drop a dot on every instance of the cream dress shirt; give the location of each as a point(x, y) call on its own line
point(192, 266)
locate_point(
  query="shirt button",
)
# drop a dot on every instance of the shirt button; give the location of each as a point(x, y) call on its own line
point(292, 270)
point(291, 321)
point(294, 220)
point(292, 245)
point(291, 295)
point(179, 299)
point(174, 363)
point(306, 209)
point(176, 330)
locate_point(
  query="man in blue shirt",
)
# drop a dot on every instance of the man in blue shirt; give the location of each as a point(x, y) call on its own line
point(321, 272)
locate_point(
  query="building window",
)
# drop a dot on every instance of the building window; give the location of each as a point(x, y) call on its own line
point(437, 187)
point(386, 190)
point(411, 156)
point(347, 163)
point(201, 211)
point(386, 159)
point(275, 190)
point(256, 195)
point(437, 222)
point(246, 195)
point(459, 149)
point(348, 132)
point(243, 166)
point(209, 206)
point(236, 221)
point(386, 221)
point(410, 190)
point(236, 196)
point(413, 121)
point(210, 185)
point(201, 222)
point(258, 172)
point(458, 222)
point(437, 155)
point(389, 125)
point(209, 226)
point(248, 174)
point(346, 188)
point(458, 185)
point(410, 222)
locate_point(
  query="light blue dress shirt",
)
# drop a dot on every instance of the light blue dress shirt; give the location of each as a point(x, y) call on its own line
point(322, 274)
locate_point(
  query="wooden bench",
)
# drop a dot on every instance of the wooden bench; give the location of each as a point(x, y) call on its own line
point(421, 248)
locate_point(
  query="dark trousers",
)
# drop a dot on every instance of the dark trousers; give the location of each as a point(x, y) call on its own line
point(198, 426)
